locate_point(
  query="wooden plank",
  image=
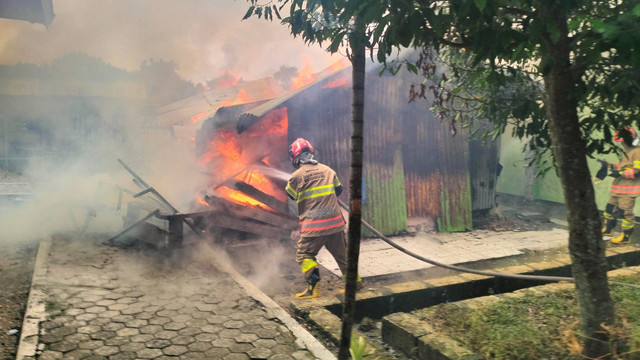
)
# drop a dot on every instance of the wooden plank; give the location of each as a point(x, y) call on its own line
point(264, 215)
point(229, 222)
point(259, 195)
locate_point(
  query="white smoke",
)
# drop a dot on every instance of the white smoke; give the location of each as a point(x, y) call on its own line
point(204, 37)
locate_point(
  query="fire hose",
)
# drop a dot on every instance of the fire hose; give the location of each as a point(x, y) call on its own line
point(467, 270)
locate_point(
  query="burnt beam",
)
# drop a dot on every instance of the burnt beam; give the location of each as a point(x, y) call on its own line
point(274, 218)
point(247, 225)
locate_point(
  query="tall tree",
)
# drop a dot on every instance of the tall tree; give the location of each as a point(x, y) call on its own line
point(584, 52)
point(570, 46)
point(340, 24)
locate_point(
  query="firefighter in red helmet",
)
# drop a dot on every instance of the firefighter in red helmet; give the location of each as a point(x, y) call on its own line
point(316, 187)
point(625, 188)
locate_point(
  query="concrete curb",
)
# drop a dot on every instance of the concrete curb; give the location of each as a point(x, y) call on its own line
point(35, 311)
point(314, 346)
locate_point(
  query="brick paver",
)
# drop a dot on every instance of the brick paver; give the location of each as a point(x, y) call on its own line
point(104, 302)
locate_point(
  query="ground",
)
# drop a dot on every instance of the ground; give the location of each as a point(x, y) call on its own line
point(17, 261)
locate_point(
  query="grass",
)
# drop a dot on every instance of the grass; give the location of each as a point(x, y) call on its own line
point(538, 326)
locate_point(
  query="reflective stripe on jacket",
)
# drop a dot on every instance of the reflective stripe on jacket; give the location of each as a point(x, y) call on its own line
point(627, 185)
point(313, 187)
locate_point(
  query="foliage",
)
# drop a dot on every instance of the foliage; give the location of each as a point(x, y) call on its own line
point(500, 78)
point(536, 326)
point(357, 347)
point(494, 50)
point(162, 82)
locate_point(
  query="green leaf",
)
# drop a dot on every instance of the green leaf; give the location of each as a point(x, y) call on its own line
point(267, 13)
point(480, 4)
point(249, 12)
point(411, 67)
point(598, 25)
point(636, 10)
point(335, 43)
point(275, 10)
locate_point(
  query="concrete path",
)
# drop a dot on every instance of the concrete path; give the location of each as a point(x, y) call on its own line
point(93, 301)
point(379, 258)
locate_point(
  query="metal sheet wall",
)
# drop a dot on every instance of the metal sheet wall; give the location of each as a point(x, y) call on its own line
point(455, 187)
point(385, 205)
point(323, 117)
point(435, 165)
point(413, 166)
point(483, 168)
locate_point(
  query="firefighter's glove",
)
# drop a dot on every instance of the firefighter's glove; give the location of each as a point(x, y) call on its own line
point(615, 174)
point(602, 172)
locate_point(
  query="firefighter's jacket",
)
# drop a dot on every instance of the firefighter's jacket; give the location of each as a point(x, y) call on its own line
point(315, 187)
point(628, 183)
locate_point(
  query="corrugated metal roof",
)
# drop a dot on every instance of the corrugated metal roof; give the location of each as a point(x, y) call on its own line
point(250, 117)
point(202, 106)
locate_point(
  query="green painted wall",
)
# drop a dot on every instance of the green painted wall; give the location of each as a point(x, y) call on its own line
point(512, 178)
point(385, 188)
point(455, 202)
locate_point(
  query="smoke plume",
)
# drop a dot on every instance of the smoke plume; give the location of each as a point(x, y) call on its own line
point(203, 37)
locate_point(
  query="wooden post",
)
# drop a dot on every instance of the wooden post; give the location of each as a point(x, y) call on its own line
point(176, 228)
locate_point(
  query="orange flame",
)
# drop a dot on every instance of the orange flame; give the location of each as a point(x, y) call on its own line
point(333, 83)
point(275, 122)
point(197, 117)
point(226, 79)
point(238, 197)
point(305, 75)
point(201, 201)
point(338, 65)
point(234, 156)
point(241, 98)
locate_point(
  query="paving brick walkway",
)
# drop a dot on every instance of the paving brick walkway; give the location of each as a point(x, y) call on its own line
point(92, 301)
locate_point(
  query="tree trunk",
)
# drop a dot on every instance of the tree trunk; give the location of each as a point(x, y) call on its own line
point(585, 240)
point(355, 186)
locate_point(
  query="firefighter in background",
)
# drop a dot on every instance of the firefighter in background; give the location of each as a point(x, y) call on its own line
point(625, 187)
point(316, 187)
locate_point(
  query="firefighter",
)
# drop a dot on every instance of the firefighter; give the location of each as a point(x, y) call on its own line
point(316, 187)
point(625, 187)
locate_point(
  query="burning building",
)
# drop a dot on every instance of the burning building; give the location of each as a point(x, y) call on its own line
point(413, 166)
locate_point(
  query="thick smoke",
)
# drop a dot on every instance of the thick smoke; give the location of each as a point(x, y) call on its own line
point(79, 192)
point(204, 37)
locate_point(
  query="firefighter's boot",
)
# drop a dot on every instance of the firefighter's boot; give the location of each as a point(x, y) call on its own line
point(623, 238)
point(359, 285)
point(609, 225)
point(312, 287)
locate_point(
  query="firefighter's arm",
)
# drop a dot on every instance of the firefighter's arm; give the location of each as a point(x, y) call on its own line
point(291, 192)
point(628, 173)
point(337, 185)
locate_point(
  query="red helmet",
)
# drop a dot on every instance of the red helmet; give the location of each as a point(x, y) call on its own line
point(618, 138)
point(298, 147)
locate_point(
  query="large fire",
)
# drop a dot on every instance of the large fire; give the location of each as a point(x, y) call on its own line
point(234, 157)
